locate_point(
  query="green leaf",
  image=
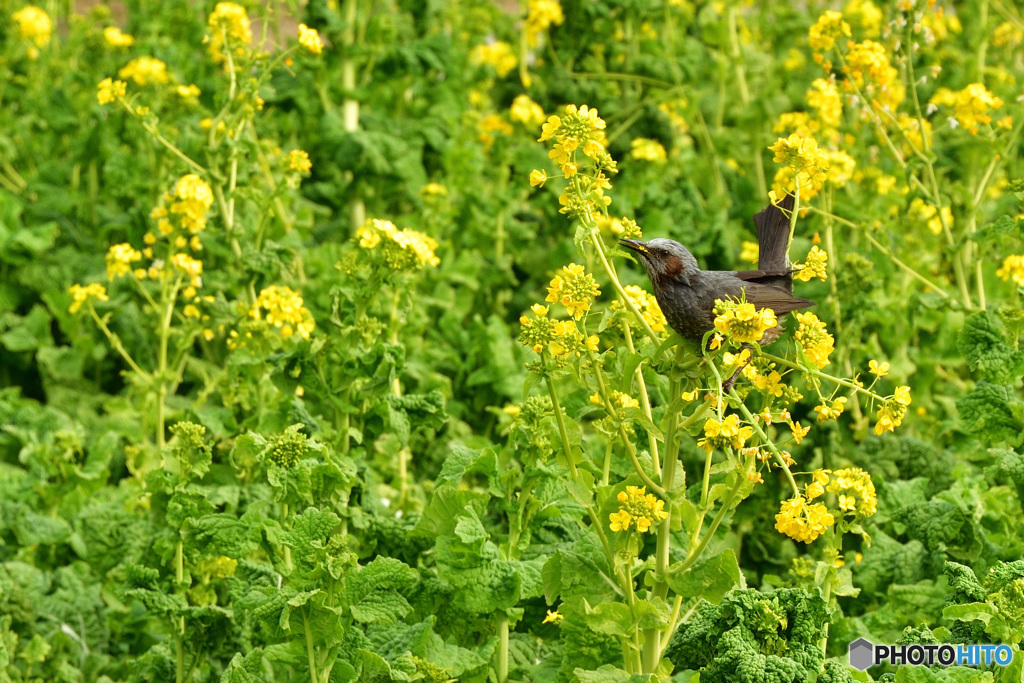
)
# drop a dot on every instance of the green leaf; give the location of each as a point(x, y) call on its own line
point(983, 343)
point(710, 578)
point(372, 591)
point(1004, 225)
point(610, 674)
point(610, 618)
point(993, 414)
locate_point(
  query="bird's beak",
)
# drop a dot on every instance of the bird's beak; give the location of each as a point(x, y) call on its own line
point(635, 245)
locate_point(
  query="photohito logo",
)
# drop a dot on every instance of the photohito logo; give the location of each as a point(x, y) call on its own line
point(864, 654)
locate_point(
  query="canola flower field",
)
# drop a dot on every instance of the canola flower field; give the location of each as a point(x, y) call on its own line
point(321, 359)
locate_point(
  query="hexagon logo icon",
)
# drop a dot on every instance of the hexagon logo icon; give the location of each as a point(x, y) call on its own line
point(862, 654)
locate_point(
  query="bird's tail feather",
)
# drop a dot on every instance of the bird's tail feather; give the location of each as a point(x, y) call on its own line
point(773, 235)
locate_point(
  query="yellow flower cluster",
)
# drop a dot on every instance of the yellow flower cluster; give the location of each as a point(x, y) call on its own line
point(228, 27)
point(646, 304)
point(926, 213)
point(620, 402)
point(823, 97)
point(310, 39)
point(724, 434)
point(814, 338)
point(284, 309)
point(405, 249)
point(1013, 269)
point(560, 337)
point(865, 16)
point(574, 289)
point(620, 227)
point(34, 25)
point(815, 266)
point(115, 38)
point(1007, 35)
point(916, 136)
point(639, 507)
point(490, 124)
point(120, 258)
point(540, 14)
point(803, 522)
point(433, 190)
point(741, 322)
point(803, 162)
point(109, 90)
point(831, 410)
point(526, 111)
point(578, 129)
point(971, 105)
point(824, 32)
point(144, 70)
point(189, 266)
point(298, 160)
point(852, 486)
point(892, 411)
point(80, 294)
point(188, 92)
point(646, 149)
point(190, 200)
point(498, 54)
point(869, 70)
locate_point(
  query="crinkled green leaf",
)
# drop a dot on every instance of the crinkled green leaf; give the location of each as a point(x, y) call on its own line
point(982, 341)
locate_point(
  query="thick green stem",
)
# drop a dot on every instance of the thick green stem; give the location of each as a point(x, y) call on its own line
point(310, 650)
point(502, 648)
point(560, 419)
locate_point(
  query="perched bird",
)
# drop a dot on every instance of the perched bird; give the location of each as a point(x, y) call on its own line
point(686, 294)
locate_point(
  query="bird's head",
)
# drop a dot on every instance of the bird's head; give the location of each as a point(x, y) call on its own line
point(665, 260)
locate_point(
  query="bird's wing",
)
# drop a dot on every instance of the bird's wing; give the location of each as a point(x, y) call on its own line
point(781, 279)
point(779, 300)
point(773, 234)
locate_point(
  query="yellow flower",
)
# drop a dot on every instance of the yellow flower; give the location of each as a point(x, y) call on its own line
point(115, 38)
point(552, 617)
point(646, 304)
point(620, 521)
point(574, 289)
point(878, 369)
point(540, 14)
point(189, 266)
point(1012, 269)
point(636, 505)
point(814, 267)
point(823, 97)
point(120, 258)
point(815, 341)
point(831, 411)
point(109, 90)
point(803, 522)
point(869, 70)
point(749, 251)
point(499, 55)
point(190, 200)
point(145, 70)
point(188, 92)
point(855, 491)
point(830, 26)
point(80, 295)
point(298, 160)
point(526, 111)
point(34, 25)
point(902, 395)
point(741, 321)
point(724, 434)
point(865, 16)
point(405, 249)
point(646, 149)
point(972, 105)
point(283, 309)
point(538, 178)
point(799, 432)
point(228, 27)
point(310, 39)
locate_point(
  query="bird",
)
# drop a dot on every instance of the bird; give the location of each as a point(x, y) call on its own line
point(686, 294)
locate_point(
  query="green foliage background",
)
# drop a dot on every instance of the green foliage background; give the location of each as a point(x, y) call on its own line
point(361, 506)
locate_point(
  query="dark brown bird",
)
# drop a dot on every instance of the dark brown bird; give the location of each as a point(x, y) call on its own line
point(686, 294)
